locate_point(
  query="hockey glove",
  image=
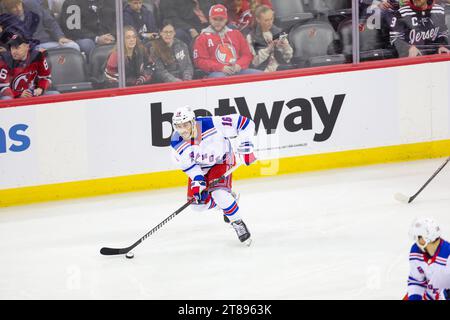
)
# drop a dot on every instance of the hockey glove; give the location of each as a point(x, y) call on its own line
point(198, 187)
point(245, 151)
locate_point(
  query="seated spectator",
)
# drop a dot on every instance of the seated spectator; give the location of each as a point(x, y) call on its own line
point(242, 12)
point(25, 71)
point(189, 17)
point(138, 70)
point(39, 22)
point(269, 54)
point(141, 19)
point(419, 23)
point(10, 25)
point(171, 56)
point(89, 22)
point(240, 15)
point(221, 51)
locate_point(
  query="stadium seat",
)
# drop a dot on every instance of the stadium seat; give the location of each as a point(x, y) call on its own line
point(97, 61)
point(372, 45)
point(314, 44)
point(289, 13)
point(69, 72)
point(334, 11)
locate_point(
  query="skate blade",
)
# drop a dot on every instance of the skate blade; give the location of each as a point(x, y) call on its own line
point(247, 242)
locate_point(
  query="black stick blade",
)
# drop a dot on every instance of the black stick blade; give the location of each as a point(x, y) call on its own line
point(112, 251)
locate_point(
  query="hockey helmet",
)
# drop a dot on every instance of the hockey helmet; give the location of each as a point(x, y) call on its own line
point(183, 115)
point(426, 228)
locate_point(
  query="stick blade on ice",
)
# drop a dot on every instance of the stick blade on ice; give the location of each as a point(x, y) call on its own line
point(402, 198)
point(112, 251)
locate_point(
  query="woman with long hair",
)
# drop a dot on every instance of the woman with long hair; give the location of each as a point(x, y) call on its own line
point(172, 58)
point(138, 68)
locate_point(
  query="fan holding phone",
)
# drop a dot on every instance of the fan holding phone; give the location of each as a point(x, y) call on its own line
point(268, 43)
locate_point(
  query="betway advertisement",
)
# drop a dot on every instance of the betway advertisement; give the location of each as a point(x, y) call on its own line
point(127, 135)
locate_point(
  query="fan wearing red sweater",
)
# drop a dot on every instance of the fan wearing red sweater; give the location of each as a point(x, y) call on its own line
point(24, 71)
point(221, 51)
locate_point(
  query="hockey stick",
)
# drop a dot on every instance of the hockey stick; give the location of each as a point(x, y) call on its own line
point(115, 251)
point(405, 199)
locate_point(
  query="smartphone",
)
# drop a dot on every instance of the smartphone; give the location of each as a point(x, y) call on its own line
point(283, 36)
point(280, 36)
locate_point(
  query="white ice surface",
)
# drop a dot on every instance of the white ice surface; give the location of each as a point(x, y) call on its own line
point(325, 235)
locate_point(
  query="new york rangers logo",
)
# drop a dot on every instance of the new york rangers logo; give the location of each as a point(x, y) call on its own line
point(226, 53)
point(23, 81)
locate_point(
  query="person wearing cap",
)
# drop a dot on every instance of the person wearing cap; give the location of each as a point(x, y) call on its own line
point(221, 51)
point(24, 71)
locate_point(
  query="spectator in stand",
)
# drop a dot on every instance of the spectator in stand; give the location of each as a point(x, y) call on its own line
point(39, 23)
point(137, 15)
point(24, 71)
point(419, 28)
point(189, 17)
point(221, 51)
point(89, 22)
point(10, 25)
point(138, 69)
point(241, 13)
point(171, 56)
point(268, 43)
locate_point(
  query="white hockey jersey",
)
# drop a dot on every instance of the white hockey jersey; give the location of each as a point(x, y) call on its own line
point(429, 276)
point(212, 144)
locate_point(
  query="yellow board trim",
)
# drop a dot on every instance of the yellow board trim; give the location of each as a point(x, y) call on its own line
point(88, 188)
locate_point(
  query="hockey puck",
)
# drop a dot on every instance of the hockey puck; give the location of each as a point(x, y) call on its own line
point(129, 255)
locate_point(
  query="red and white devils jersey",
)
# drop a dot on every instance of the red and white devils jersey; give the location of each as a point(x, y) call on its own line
point(18, 76)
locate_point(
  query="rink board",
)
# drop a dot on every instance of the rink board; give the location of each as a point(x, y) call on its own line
point(108, 144)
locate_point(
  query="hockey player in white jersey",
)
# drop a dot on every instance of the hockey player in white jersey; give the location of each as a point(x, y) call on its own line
point(429, 276)
point(202, 149)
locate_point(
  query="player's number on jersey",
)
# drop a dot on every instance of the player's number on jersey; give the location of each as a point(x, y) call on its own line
point(394, 21)
point(227, 121)
point(3, 74)
point(45, 64)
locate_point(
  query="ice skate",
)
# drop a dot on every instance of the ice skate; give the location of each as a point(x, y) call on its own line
point(242, 232)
